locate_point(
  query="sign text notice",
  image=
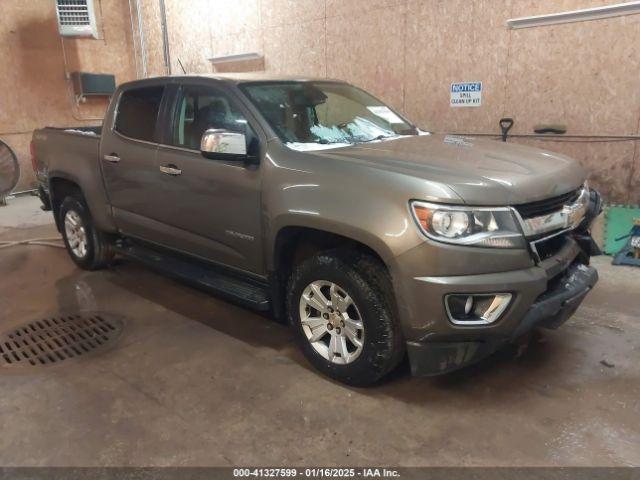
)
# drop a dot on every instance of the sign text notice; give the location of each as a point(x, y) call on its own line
point(466, 94)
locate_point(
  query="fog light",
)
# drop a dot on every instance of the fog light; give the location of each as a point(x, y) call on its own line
point(476, 309)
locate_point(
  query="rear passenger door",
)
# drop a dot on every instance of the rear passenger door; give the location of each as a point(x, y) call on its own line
point(128, 159)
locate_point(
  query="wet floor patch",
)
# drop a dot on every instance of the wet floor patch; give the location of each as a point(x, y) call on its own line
point(49, 341)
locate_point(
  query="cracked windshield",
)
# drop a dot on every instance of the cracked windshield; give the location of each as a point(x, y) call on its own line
point(316, 115)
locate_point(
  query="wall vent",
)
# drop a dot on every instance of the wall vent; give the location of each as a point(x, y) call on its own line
point(76, 18)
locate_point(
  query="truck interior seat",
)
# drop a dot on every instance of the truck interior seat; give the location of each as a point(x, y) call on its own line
point(213, 115)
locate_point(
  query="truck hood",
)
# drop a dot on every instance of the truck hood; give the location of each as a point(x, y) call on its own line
point(481, 172)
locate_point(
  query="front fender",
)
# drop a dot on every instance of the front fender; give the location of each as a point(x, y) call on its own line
point(337, 227)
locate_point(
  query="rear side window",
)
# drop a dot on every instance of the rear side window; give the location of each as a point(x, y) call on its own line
point(138, 112)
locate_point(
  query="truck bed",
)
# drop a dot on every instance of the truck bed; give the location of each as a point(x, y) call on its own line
point(73, 153)
point(90, 131)
point(59, 147)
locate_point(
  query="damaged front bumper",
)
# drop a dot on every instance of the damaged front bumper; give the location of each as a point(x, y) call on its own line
point(550, 310)
point(555, 306)
point(544, 286)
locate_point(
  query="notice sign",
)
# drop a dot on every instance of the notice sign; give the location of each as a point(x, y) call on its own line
point(466, 94)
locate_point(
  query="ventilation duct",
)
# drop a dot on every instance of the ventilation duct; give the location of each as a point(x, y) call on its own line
point(76, 18)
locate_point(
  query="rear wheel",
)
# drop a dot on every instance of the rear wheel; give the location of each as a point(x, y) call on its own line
point(87, 246)
point(341, 307)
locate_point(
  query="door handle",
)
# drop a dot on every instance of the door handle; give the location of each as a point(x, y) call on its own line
point(113, 158)
point(170, 170)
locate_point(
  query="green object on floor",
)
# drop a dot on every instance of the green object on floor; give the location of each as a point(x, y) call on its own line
point(618, 223)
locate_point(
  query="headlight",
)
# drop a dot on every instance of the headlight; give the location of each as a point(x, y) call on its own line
point(578, 210)
point(585, 196)
point(479, 226)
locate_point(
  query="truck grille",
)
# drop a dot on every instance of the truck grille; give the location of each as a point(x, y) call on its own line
point(548, 247)
point(549, 205)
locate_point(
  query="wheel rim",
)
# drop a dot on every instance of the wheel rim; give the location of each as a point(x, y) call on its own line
point(76, 233)
point(331, 322)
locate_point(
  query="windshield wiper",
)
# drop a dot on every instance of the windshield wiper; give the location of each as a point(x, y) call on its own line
point(323, 141)
point(379, 137)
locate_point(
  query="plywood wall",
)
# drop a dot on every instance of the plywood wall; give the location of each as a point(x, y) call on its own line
point(33, 89)
point(407, 52)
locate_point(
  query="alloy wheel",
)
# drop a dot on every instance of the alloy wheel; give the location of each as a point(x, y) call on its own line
point(331, 322)
point(76, 233)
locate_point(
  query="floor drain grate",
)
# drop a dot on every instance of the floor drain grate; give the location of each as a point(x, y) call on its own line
point(49, 341)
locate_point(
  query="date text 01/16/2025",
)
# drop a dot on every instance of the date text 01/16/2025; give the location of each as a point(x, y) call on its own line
point(315, 473)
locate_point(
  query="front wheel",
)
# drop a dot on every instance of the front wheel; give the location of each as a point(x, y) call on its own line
point(342, 309)
point(87, 246)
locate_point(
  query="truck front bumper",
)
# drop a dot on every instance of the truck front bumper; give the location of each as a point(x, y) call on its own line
point(436, 356)
point(543, 295)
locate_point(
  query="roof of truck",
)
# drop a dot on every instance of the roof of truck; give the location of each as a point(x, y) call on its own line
point(261, 77)
point(238, 78)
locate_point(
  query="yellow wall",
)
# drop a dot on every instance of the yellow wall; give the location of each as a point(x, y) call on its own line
point(33, 89)
point(584, 75)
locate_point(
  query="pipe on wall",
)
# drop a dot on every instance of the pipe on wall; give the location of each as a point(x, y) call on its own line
point(143, 48)
point(165, 38)
point(133, 41)
point(596, 13)
point(75, 111)
point(141, 42)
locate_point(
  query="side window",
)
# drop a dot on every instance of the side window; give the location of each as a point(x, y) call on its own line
point(138, 112)
point(201, 108)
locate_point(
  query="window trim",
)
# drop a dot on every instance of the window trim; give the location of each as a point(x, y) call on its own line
point(172, 105)
point(237, 98)
point(176, 96)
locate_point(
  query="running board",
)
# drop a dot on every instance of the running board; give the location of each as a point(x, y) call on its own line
point(247, 292)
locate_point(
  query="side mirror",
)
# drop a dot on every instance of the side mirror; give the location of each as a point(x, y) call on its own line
point(220, 144)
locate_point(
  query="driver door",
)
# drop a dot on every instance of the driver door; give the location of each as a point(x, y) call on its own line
point(209, 208)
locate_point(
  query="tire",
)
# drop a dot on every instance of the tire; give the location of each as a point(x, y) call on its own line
point(97, 251)
point(367, 283)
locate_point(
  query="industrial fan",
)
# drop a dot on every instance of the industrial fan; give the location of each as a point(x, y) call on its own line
point(9, 171)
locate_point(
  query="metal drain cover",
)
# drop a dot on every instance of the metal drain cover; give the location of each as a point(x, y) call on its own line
point(49, 341)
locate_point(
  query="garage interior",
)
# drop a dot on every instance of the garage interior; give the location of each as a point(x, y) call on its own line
point(193, 380)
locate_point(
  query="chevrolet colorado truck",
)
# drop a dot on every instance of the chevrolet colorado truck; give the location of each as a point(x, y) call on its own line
point(311, 198)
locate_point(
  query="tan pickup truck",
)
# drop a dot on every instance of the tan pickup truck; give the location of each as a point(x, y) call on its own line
point(315, 200)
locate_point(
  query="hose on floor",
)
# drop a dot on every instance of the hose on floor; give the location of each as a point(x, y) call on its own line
point(47, 242)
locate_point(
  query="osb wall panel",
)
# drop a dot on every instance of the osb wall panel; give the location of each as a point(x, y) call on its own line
point(30, 46)
point(408, 52)
point(591, 90)
point(367, 50)
point(582, 73)
point(305, 56)
point(453, 41)
point(341, 8)
point(286, 12)
point(152, 38)
point(189, 38)
point(33, 88)
point(237, 28)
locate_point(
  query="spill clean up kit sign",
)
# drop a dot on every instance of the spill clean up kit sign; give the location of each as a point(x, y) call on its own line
point(466, 94)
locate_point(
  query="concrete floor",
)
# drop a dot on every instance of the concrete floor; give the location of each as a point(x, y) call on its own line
point(197, 381)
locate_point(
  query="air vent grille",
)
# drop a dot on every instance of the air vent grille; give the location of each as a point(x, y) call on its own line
point(73, 12)
point(76, 18)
